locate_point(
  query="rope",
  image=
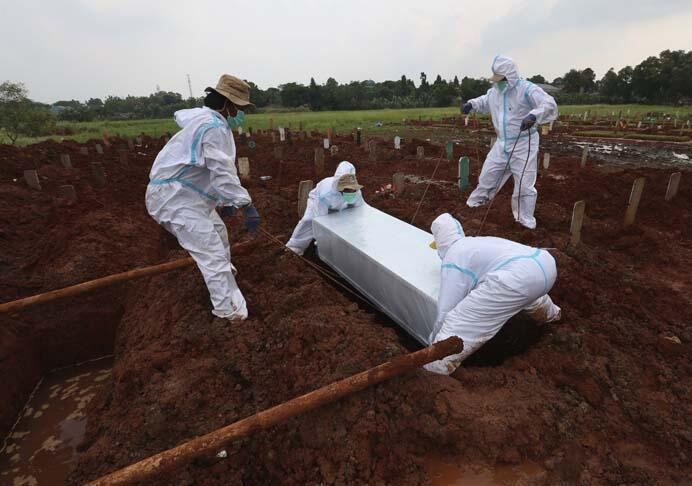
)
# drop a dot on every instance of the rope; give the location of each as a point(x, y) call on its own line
point(499, 180)
point(428, 186)
point(319, 269)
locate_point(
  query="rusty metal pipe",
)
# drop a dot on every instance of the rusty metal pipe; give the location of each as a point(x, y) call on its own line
point(212, 442)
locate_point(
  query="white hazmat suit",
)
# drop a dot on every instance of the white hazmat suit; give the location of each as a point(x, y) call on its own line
point(508, 108)
point(484, 282)
point(193, 174)
point(323, 199)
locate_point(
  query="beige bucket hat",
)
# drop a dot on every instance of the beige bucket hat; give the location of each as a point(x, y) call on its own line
point(348, 181)
point(234, 89)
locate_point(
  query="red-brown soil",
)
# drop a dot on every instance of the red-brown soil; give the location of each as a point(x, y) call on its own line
point(601, 397)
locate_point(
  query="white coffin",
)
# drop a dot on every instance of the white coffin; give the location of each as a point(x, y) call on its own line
point(387, 260)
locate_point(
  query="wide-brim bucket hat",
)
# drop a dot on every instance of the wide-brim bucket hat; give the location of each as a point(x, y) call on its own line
point(234, 89)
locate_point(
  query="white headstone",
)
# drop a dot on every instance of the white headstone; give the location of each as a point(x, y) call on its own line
point(240, 130)
point(325, 143)
point(31, 178)
point(282, 134)
point(397, 142)
point(466, 121)
point(546, 160)
point(244, 167)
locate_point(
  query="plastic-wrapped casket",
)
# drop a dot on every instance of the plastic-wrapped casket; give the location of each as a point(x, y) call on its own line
point(387, 260)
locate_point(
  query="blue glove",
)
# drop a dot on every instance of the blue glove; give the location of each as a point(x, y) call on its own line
point(227, 211)
point(252, 218)
point(466, 108)
point(528, 122)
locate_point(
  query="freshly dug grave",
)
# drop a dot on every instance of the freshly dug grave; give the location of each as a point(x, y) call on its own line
point(601, 397)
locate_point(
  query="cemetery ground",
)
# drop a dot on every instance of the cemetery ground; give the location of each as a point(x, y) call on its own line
point(339, 120)
point(604, 396)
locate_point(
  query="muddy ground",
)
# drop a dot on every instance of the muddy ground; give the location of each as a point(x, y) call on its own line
point(601, 397)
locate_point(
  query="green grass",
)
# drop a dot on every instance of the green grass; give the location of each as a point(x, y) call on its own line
point(630, 135)
point(342, 121)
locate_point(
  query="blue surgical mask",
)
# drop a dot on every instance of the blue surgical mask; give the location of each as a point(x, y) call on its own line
point(349, 197)
point(237, 120)
point(501, 85)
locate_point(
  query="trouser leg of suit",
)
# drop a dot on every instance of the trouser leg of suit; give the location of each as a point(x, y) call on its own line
point(494, 174)
point(487, 308)
point(220, 228)
point(303, 234)
point(199, 236)
point(525, 194)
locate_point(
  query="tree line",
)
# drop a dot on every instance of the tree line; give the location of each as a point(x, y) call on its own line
point(662, 79)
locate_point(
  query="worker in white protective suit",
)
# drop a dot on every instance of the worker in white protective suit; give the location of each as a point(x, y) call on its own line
point(192, 177)
point(335, 193)
point(515, 106)
point(484, 282)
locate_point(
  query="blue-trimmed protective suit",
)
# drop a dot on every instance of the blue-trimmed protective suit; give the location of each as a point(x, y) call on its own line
point(323, 199)
point(484, 282)
point(193, 174)
point(507, 109)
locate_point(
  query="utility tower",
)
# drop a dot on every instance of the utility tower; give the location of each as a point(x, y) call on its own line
point(189, 85)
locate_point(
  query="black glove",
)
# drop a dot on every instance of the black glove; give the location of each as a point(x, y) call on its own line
point(466, 108)
point(252, 218)
point(528, 122)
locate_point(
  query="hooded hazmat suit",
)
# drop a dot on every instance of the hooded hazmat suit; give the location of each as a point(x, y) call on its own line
point(192, 175)
point(508, 108)
point(484, 282)
point(323, 199)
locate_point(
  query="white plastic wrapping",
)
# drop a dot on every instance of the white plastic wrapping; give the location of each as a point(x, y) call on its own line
point(387, 260)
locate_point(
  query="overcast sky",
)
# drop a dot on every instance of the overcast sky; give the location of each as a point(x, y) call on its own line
point(65, 49)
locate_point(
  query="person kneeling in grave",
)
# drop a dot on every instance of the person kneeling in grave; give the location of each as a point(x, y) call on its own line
point(484, 282)
point(336, 193)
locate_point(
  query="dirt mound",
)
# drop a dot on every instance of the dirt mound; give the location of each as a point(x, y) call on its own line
point(601, 397)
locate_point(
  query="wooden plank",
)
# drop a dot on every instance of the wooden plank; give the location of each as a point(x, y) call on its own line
point(635, 197)
point(577, 221)
point(673, 186)
point(304, 188)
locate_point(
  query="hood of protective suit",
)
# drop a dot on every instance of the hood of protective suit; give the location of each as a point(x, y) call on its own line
point(184, 117)
point(446, 231)
point(506, 67)
point(344, 167)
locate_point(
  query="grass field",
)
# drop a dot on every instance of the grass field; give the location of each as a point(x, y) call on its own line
point(340, 120)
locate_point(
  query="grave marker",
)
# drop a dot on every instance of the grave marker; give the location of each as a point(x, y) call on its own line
point(304, 188)
point(282, 134)
point(546, 160)
point(273, 136)
point(98, 173)
point(673, 185)
point(633, 205)
point(463, 173)
point(67, 191)
point(372, 156)
point(450, 150)
point(84, 150)
point(31, 178)
point(577, 221)
point(66, 161)
point(99, 149)
point(130, 144)
point(139, 140)
point(278, 152)
point(325, 143)
point(240, 131)
point(420, 152)
point(584, 156)
point(399, 183)
point(544, 130)
point(244, 167)
point(319, 161)
point(358, 135)
point(397, 142)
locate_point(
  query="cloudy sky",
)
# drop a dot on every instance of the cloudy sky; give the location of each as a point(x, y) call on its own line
point(65, 49)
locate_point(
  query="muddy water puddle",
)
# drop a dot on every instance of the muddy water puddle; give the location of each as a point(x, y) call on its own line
point(43, 445)
point(448, 472)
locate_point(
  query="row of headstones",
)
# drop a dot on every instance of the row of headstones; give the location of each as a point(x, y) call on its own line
point(632, 205)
